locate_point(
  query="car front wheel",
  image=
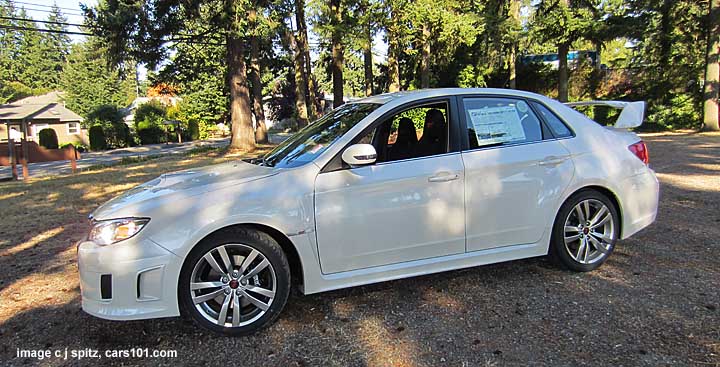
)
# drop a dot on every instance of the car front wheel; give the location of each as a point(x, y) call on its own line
point(235, 282)
point(585, 231)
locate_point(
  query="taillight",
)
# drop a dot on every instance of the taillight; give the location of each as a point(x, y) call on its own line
point(640, 150)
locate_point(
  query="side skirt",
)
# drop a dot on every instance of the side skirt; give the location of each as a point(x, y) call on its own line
point(322, 282)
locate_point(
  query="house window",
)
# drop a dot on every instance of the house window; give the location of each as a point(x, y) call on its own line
point(73, 128)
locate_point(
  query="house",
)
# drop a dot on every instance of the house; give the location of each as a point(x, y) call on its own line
point(33, 114)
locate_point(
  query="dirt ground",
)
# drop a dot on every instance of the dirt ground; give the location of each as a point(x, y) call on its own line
point(655, 301)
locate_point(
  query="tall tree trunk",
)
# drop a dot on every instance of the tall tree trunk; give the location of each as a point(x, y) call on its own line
point(367, 61)
point(598, 54)
point(512, 66)
point(393, 51)
point(512, 62)
point(312, 89)
point(300, 87)
point(712, 71)
point(563, 72)
point(243, 136)
point(563, 66)
point(425, 58)
point(393, 65)
point(260, 128)
point(302, 42)
point(337, 53)
point(666, 29)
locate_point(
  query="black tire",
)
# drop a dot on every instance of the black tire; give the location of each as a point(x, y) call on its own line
point(236, 239)
point(561, 254)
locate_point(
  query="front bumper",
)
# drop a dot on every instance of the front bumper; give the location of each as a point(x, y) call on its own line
point(141, 276)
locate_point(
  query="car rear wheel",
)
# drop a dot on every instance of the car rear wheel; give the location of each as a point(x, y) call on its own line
point(235, 282)
point(585, 231)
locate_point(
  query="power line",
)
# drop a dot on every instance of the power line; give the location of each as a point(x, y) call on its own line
point(175, 40)
point(16, 28)
point(45, 6)
point(45, 11)
point(45, 22)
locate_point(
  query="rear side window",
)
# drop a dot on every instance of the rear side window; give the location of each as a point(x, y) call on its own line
point(500, 121)
point(558, 128)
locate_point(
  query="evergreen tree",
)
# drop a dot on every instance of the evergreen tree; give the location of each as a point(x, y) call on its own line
point(88, 82)
point(9, 42)
point(30, 58)
point(55, 47)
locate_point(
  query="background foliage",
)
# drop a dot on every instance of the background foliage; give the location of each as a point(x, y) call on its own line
point(650, 50)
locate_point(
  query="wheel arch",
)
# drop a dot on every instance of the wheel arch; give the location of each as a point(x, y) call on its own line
point(607, 192)
point(288, 247)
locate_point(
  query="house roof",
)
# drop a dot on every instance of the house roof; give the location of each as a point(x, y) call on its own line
point(16, 112)
point(52, 97)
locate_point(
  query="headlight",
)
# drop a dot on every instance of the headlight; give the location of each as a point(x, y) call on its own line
point(107, 232)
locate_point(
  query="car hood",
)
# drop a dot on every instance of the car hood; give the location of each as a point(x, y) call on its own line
point(180, 185)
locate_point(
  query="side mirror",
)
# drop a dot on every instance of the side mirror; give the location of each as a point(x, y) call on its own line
point(359, 155)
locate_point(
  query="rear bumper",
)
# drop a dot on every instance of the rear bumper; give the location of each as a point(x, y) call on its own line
point(140, 280)
point(640, 204)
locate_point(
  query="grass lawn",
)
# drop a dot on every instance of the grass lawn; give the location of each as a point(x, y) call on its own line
point(43, 218)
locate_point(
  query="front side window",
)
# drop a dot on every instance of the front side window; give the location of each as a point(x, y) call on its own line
point(314, 139)
point(419, 131)
point(500, 121)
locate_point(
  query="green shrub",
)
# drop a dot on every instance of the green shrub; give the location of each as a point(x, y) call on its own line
point(48, 138)
point(117, 133)
point(105, 113)
point(206, 129)
point(193, 130)
point(150, 113)
point(148, 122)
point(681, 113)
point(150, 134)
point(97, 138)
point(80, 147)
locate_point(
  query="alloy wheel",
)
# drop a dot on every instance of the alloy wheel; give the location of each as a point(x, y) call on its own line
point(589, 232)
point(233, 285)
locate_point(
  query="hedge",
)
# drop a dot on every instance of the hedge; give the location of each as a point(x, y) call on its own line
point(48, 138)
point(97, 138)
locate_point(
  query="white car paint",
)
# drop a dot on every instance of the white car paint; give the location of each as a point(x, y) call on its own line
point(511, 193)
point(485, 206)
point(411, 217)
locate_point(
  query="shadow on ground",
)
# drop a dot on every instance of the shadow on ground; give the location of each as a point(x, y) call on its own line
point(653, 303)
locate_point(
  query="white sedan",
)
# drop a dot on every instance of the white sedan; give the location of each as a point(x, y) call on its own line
point(387, 187)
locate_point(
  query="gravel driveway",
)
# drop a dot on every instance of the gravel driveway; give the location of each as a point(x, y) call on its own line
point(655, 302)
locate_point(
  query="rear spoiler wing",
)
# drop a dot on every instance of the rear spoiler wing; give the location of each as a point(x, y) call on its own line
point(631, 116)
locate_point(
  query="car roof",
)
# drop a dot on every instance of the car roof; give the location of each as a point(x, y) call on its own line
point(408, 96)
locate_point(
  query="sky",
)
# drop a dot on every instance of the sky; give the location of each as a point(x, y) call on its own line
point(38, 10)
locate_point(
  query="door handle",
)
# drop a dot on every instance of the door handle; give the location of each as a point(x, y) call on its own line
point(552, 161)
point(443, 177)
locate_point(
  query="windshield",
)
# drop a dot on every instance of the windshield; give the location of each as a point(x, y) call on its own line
point(314, 139)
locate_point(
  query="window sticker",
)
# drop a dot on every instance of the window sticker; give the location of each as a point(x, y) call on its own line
point(495, 125)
